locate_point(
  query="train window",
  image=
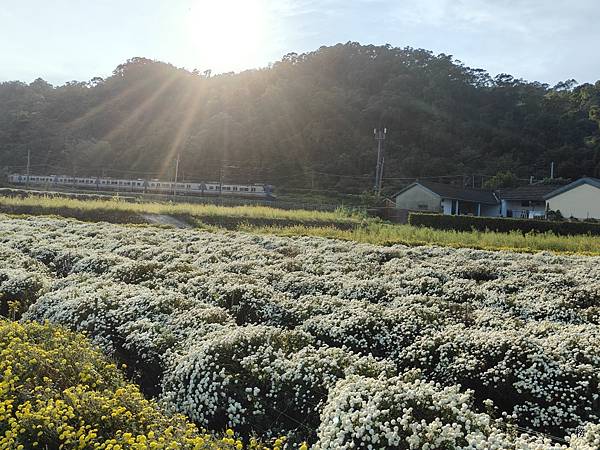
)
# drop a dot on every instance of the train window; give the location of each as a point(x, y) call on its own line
point(253, 189)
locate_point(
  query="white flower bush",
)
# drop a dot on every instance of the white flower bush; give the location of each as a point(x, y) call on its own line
point(545, 386)
point(260, 378)
point(407, 413)
point(281, 335)
point(19, 288)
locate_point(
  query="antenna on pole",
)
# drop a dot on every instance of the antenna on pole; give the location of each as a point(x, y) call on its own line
point(380, 138)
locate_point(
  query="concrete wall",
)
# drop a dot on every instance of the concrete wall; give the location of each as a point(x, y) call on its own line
point(582, 202)
point(417, 198)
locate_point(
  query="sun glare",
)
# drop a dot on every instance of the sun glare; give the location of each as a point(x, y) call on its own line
point(227, 34)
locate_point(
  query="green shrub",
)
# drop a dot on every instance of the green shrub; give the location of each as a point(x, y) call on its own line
point(501, 224)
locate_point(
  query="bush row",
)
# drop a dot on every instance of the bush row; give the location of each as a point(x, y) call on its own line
point(501, 224)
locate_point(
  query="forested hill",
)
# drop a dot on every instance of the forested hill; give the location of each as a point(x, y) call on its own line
point(303, 119)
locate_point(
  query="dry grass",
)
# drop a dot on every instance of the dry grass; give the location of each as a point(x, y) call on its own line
point(387, 234)
point(55, 205)
point(366, 230)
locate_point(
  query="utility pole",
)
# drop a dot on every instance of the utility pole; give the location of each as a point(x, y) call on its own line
point(380, 138)
point(28, 165)
point(552, 170)
point(221, 180)
point(176, 174)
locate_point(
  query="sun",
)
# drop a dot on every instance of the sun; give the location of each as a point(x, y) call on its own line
point(227, 34)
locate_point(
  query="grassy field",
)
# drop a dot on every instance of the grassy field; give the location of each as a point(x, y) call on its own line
point(339, 224)
point(388, 234)
point(58, 205)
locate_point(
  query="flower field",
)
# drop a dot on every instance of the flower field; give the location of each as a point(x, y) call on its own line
point(56, 391)
point(340, 344)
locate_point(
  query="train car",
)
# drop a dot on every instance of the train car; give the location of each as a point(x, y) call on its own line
point(150, 186)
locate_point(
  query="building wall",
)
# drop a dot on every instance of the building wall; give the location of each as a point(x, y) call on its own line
point(486, 210)
point(447, 206)
point(418, 198)
point(581, 202)
point(490, 210)
point(516, 207)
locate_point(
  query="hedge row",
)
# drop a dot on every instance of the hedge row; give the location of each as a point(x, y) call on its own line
point(501, 224)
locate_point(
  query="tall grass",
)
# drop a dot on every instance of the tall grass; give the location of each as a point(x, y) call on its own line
point(388, 234)
point(57, 204)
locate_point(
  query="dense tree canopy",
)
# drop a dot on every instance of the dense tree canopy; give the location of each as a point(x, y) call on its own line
point(303, 119)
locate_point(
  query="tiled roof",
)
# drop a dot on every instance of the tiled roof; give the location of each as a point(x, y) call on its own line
point(454, 192)
point(529, 192)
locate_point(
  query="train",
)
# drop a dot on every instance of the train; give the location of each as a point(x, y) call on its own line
point(263, 191)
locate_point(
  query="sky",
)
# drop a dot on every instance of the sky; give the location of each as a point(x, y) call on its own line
point(63, 40)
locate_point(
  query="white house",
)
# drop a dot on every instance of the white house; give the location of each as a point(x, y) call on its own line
point(580, 199)
point(428, 196)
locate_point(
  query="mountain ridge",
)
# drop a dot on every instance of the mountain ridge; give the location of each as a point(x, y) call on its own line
point(305, 121)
